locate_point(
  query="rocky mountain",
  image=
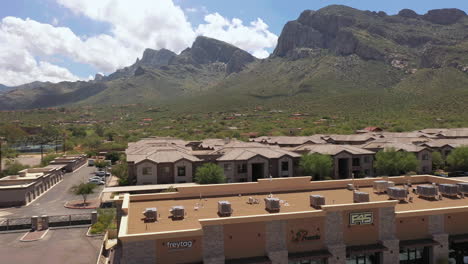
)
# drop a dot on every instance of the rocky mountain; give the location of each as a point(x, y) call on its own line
point(335, 56)
point(3, 88)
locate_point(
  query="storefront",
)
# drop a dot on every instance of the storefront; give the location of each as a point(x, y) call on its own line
point(364, 254)
point(416, 251)
point(310, 257)
point(458, 250)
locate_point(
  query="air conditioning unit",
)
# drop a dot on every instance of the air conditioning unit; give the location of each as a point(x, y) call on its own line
point(151, 214)
point(178, 212)
point(224, 208)
point(463, 187)
point(360, 197)
point(390, 184)
point(350, 186)
point(380, 186)
point(448, 189)
point(316, 201)
point(427, 191)
point(397, 193)
point(272, 204)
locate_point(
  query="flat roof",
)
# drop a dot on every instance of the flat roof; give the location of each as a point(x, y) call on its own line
point(149, 187)
point(293, 201)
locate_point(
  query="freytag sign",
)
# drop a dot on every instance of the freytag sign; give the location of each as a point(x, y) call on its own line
point(362, 218)
point(303, 235)
point(180, 244)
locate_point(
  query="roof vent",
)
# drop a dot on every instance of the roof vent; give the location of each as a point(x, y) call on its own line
point(360, 197)
point(380, 186)
point(316, 201)
point(224, 208)
point(151, 214)
point(463, 187)
point(397, 193)
point(272, 204)
point(448, 189)
point(178, 212)
point(427, 191)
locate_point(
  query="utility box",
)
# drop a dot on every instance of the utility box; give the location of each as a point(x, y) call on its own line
point(427, 191)
point(316, 201)
point(361, 197)
point(151, 214)
point(448, 189)
point(397, 193)
point(178, 212)
point(224, 208)
point(272, 204)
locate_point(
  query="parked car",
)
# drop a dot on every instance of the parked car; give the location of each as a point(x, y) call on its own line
point(91, 162)
point(96, 178)
point(102, 173)
point(96, 181)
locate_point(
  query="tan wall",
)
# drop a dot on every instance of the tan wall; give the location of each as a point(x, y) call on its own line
point(425, 164)
point(147, 179)
point(244, 240)
point(367, 166)
point(361, 234)
point(290, 168)
point(456, 223)
point(409, 228)
point(186, 255)
point(188, 171)
point(313, 226)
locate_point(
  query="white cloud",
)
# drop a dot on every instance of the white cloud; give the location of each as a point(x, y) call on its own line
point(135, 25)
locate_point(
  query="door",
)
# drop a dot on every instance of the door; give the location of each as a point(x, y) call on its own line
point(343, 168)
point(257, 171)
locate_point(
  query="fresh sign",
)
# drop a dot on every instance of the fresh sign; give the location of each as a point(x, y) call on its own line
point(365, 218)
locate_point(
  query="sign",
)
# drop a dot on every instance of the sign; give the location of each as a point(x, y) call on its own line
point(365, 218)
point(180, 244)
point(303, 235)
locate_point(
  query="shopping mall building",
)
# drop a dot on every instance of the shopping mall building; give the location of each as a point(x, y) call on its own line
point(351, 221)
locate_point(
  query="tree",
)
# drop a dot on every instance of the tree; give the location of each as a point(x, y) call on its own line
point(121, 171)
point(394, 163)
point(48, 158)
point(13, 168)
point(210, 173)
point(458, 159)
point(83, 189)
point(101, 164)
point(316, 165)
point(113, 156)
point(437, 161)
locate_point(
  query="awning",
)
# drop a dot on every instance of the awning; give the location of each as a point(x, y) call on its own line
point(457, 239)
point(365, 249)
point(308, 255)
point(251, 260)
point(425, 242)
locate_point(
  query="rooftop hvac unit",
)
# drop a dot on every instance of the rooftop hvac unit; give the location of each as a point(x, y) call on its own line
point(463, 188)
point(272, 204)
point(397, 193)
point(380, 186)
point(178, 212)
point(224, 208)
point(350, 186)
point(427, 191)
point(316, 201)
point(360, 197)
point(448, 189)
point(390, 184)
point(151, 214)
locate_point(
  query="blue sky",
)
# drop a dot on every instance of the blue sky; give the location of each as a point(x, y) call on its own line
point(81, 22)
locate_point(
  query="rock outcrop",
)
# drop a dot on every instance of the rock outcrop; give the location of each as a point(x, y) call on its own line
point(408, 13)
point(445, 16)
point(156, 58)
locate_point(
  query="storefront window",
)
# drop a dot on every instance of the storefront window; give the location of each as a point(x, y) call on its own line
point(310, 261)
point(414, 255)
point(364, 259)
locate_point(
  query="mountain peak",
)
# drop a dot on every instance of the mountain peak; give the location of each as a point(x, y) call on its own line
point(446, 16)
point(156, 58)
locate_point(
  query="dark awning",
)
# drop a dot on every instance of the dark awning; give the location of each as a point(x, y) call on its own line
point(425, 242)
point(251, 260)
point(463, 238)
point(318, 254)
point(365, 249)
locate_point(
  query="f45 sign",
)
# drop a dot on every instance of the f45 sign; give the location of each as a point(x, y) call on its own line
point(364, 218)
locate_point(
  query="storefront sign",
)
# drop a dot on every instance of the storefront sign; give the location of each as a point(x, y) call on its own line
point(365, 218)
point(180, 244)
point(303, 235)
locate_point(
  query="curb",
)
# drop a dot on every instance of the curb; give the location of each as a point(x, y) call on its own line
point(32, 240)
point(88, 233)
point(71, 207)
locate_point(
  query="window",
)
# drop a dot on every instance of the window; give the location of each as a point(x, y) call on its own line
point(147, 171)
point(425, 156)
point(412, 255)
point(447, 152)
point(285, 166)
point(181, 171)
point(242, 168)
point(227, 167)
point(356, 162)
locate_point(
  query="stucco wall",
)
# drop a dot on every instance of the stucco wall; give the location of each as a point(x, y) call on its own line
point(146, 179)
point(188, 171)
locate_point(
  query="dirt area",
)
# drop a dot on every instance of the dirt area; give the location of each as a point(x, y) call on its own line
point(29, 159)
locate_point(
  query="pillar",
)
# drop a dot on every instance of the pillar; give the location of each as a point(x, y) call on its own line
point(94, 217)
point(213, 244)
point(139, 252)
point(34, 222)
point(437, 230)
point(45, 222)
point(387, 235)
point(276, 247)
point(334, 237)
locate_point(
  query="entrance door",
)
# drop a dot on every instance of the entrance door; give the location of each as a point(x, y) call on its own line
point(415, 255)
point(257, 171)
point(343, 168)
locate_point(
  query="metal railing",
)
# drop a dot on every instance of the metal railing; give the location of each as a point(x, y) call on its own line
point(53, 221)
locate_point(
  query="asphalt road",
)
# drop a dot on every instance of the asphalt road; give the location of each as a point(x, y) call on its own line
point(51, 202)
point(70, 246)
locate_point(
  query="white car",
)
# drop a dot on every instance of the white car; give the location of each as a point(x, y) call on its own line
point(96, 181)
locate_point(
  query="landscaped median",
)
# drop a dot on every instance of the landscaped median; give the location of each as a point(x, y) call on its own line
point(78, 204)
point(106, 222)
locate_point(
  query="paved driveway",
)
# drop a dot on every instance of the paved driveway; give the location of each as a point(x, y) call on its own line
point(51, 202)
point(70, 246)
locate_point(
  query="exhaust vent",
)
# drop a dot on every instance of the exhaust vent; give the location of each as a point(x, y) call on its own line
point(316, 201)
point(178, 212)
point(360, 197)
point(272, 204)
point(224, 208)
point(427, 191)
point(151, 214)
point(448, 189)
point(397, 193)
point(463, 188)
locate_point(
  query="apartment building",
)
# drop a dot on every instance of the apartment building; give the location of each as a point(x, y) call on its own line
point(274, 221)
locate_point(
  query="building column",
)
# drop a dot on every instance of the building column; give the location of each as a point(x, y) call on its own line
point(334, 237)
point(45, 222)
point(437, 230)
point(139, 252)
point(276, 247)
point(34, 222)
point(213, 244)
point(94, 217)
point(387, 235)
